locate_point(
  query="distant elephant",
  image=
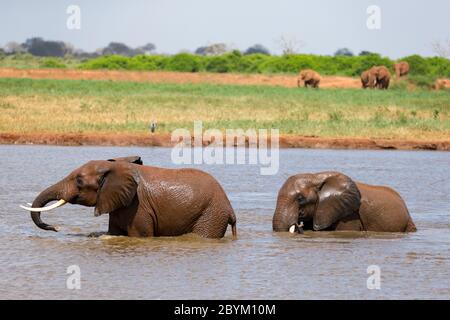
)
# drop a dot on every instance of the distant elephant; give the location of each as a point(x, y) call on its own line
point(368, 79)
point(441, 84)
point(143, 201)
point(401, 69)
point(333, 201)
point(383, 76)
point(309, 78)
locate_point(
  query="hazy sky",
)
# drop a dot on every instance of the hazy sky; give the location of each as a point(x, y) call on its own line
point(407, 27)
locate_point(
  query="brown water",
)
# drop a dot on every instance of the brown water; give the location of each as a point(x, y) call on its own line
point(259, 265)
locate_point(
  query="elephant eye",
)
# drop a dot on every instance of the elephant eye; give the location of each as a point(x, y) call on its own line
point(301, 199)
point(79, 182)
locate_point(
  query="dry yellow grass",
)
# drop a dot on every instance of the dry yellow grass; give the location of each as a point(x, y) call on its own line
point(28, 106)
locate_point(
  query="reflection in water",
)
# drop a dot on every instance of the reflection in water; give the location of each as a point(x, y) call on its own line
point(259, 265)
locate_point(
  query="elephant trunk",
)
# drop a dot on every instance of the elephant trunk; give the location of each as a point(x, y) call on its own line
point(50, 194)
point(286, 215)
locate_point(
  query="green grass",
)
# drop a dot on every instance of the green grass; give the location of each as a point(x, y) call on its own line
point(27, 61)
point(127, 107)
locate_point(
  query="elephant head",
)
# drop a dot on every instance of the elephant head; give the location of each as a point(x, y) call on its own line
point(106, 185)
point(320, 200)
point(401, 68)
point(368, 79)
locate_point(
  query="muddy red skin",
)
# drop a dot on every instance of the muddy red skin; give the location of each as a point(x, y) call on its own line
point(333, 201)
point(145, 201)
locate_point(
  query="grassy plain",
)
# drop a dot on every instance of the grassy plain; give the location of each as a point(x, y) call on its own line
point(81, 106)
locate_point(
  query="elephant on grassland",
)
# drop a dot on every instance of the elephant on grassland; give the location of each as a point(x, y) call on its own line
point(143, 201)
point(333, 201)
point(368, 79)
point(378, 77)
point(309, 78)
point(401, 69)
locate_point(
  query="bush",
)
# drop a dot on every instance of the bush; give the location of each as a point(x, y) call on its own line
point(250, 63)
point(422, 81)
point(439, 67)
point(52, 63)
point(365, 62)
point(108, 62)
point(184, 62)
point(261, 63)
point(417, 65)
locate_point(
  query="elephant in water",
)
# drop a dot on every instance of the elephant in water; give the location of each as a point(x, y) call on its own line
point(333, 201)
point(309, 78)
point(143, 201)
point(401, 69)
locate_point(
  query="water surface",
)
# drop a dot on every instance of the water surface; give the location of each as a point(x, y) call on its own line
point(259, 265)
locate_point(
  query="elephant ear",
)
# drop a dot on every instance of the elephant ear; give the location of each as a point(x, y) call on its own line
point(131, 159)
point(338, 197)
point(117, 188)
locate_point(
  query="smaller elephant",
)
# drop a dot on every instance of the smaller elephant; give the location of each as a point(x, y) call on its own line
point(368, 79)
point(382, 75)
point(401, 69)
point(309, 78)
point(142, 201)
point(333, 201)
point(441, 84)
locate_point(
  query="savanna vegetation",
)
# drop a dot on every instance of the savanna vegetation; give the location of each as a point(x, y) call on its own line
point(57, 106)
point(424, 71)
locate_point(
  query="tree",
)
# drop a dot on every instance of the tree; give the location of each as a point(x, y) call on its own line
point(289, 44)
point(14, 47)
point(146, 49)
point(117, 48)
point(343, 52)
point(212, 50)
point(257, 48)
point(441, 48)
point(367, 53)
point(42, 48)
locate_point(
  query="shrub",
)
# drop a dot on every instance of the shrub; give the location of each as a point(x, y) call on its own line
point(52, 63)
point(423, 70)
point(183, 62)
point(439, 66)
point(251, 63)
point(365, 62)
point(218, 64)
point(417, 64)
point(108, 62)
point(422, 81)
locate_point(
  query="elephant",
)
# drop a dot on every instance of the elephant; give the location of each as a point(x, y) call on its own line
point(143, 201)
point(309, 78)
point(401, 69)
point(332, 201)
point(383, 76)
point(368, 79)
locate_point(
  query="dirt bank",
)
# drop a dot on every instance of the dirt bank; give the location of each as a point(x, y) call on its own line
point(186, 77)
point(175, 77)
point(164, 140)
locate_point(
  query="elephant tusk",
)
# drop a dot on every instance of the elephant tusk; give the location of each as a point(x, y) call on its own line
point(53, 206)
point(292, 229)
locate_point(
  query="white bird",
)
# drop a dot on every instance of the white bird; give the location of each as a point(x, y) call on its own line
point(153, 126)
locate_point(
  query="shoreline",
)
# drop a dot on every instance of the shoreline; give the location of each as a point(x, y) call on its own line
point(164, 140)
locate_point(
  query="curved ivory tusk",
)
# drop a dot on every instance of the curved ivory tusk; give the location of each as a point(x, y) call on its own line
point(292, 229)
point(53, 206)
